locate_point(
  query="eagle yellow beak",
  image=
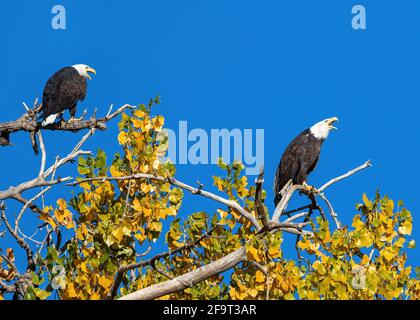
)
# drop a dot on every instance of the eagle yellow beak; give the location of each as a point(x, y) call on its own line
point(89, 69)
point(330, 121)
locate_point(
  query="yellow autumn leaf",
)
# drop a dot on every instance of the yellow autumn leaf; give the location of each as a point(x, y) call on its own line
point(122, 137)
point(365, 240)
point(399, 243)
point(81, 232)
point(406, 228)
point(388, 254)
point(137, 123)
point(145, 187)
point(365, 260)
point(316, 264)
point(10, 254)
point(144, 168)
point(115, 172)
point(104, 282)
point(146, 212)
point(357, 222)
point(222, 213)
point(139, 236)
point(156, 164)
point(139, 113)
point(85, 186)
point(259, 277)
point(366, 201)
point(412, 244)
point(136, 205)
point(62, 204)
point(274, 252)
point(70, 291)
point(95, 296)
point(252, 254)
point(158, 123)
point(118, 233)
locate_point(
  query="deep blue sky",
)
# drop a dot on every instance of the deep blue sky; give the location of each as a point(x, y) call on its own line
point(276, 65)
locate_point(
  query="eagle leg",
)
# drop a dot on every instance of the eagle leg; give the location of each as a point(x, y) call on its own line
point(61, 118)
point(72, 115)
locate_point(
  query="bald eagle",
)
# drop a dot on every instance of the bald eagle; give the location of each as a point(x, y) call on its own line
point(301, 156)
point(63, 90)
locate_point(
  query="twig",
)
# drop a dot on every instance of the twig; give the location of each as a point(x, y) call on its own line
point(20, 241)
point(262, 213)
point(43, 154)
point(346, 175)
point(332, 212)
point(296, 216)
point(27, 204)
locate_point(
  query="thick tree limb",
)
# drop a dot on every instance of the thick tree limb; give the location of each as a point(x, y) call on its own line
point(189, 279)
point(28, 122)
point(151, 262)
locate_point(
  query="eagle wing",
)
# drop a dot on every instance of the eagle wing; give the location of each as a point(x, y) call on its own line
point(62, 91)
point(298, 160)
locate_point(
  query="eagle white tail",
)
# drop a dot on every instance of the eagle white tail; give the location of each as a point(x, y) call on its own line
point(50, 119)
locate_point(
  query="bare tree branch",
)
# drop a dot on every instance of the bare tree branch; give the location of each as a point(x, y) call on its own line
point(22, 243)
point(262, 213)
point(286, 198)
point(197, 191)
point(346, 175)
point(28, 122)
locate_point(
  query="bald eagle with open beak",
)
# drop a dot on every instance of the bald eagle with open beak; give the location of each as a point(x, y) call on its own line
point(301, 156)
point(63, 90)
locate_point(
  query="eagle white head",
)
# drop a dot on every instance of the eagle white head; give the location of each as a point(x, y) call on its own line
point(321, 129)
point(84, 70)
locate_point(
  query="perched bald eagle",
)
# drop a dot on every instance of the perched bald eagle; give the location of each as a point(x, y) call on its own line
point(301, 156)
point(63, 90)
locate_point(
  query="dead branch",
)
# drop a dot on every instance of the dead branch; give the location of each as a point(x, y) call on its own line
point(286, 198)
point(189, 279)
point(28, 122)
point(259, 207)
point(197, 191)
point(22, 243)
point(346, 175)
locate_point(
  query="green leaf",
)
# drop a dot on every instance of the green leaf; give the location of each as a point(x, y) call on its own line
point(41, 294)
point(100, 159)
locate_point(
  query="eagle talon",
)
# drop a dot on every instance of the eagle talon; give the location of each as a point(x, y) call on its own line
point(310, 189)
point(73, 119)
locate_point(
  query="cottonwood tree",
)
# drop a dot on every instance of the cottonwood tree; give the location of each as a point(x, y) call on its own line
point(101, 242)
